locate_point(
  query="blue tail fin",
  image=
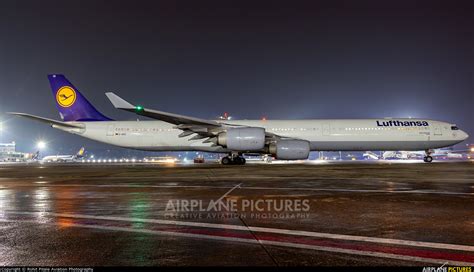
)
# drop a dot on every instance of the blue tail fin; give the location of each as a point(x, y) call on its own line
point(80, 153)
point(71, 104)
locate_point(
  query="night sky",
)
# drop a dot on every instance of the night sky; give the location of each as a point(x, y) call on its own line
point(293, 60)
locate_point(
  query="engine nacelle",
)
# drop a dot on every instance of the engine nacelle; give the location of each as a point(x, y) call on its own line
point(290, 150)
point(242, 139)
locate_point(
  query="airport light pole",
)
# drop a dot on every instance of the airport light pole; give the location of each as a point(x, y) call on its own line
point(41, 145)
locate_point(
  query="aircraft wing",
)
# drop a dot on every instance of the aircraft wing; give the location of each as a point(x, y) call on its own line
point(46, 120)
point(172, 118)
point(190, 125)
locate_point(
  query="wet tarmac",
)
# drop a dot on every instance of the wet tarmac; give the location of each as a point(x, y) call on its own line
point(272, 215)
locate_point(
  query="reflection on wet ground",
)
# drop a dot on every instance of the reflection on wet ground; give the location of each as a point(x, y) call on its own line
point(335, 214)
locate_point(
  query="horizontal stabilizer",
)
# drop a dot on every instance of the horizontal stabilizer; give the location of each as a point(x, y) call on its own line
point(46, 120)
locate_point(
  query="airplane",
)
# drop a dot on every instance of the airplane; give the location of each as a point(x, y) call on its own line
point(64, 158)
point(282, 139)
point(369, 155)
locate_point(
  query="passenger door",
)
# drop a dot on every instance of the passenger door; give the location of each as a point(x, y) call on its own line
point(326, 129)
point(437, 131)
point(110, 130)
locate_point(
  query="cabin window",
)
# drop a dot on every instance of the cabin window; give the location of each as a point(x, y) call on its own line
point(454, 128)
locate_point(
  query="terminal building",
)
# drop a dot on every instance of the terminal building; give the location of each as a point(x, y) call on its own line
point(8, 154)
point(7, 147)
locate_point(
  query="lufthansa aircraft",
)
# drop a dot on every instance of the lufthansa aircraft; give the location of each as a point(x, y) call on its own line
point(283, 139)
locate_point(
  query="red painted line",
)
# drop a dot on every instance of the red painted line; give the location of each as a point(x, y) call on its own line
point(407, 251)
point(433, 254)
point(351, 245)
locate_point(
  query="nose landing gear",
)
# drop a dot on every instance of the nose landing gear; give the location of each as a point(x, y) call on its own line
point(428, 158)
point(233, 159)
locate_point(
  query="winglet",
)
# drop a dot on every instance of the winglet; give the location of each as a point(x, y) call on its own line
point(118, 102)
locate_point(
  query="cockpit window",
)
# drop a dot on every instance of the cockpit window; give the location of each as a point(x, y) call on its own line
point(454, 128)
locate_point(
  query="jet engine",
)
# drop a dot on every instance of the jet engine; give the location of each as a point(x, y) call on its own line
point(243, 139)
point(290, 150)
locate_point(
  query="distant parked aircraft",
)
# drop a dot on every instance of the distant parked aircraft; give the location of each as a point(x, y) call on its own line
point(65, 158)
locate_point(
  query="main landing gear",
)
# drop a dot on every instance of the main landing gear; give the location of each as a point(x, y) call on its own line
point(233, 159)
point(428, 158)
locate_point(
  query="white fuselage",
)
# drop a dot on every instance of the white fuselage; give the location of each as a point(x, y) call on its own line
point(323, 135)
point(59, 158)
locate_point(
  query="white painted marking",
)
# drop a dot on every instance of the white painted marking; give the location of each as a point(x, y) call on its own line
point(267, 230)
point(271, 243)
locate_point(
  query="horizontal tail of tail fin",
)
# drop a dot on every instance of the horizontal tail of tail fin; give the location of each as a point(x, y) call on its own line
point(72, 105)
point(51, 122)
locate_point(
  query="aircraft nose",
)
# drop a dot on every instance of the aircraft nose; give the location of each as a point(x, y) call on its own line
point(464, 135)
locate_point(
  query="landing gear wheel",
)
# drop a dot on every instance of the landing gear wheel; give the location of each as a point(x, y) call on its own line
point(229, 160)
point(238, 160)
point(428, 159)
point(226, 161)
